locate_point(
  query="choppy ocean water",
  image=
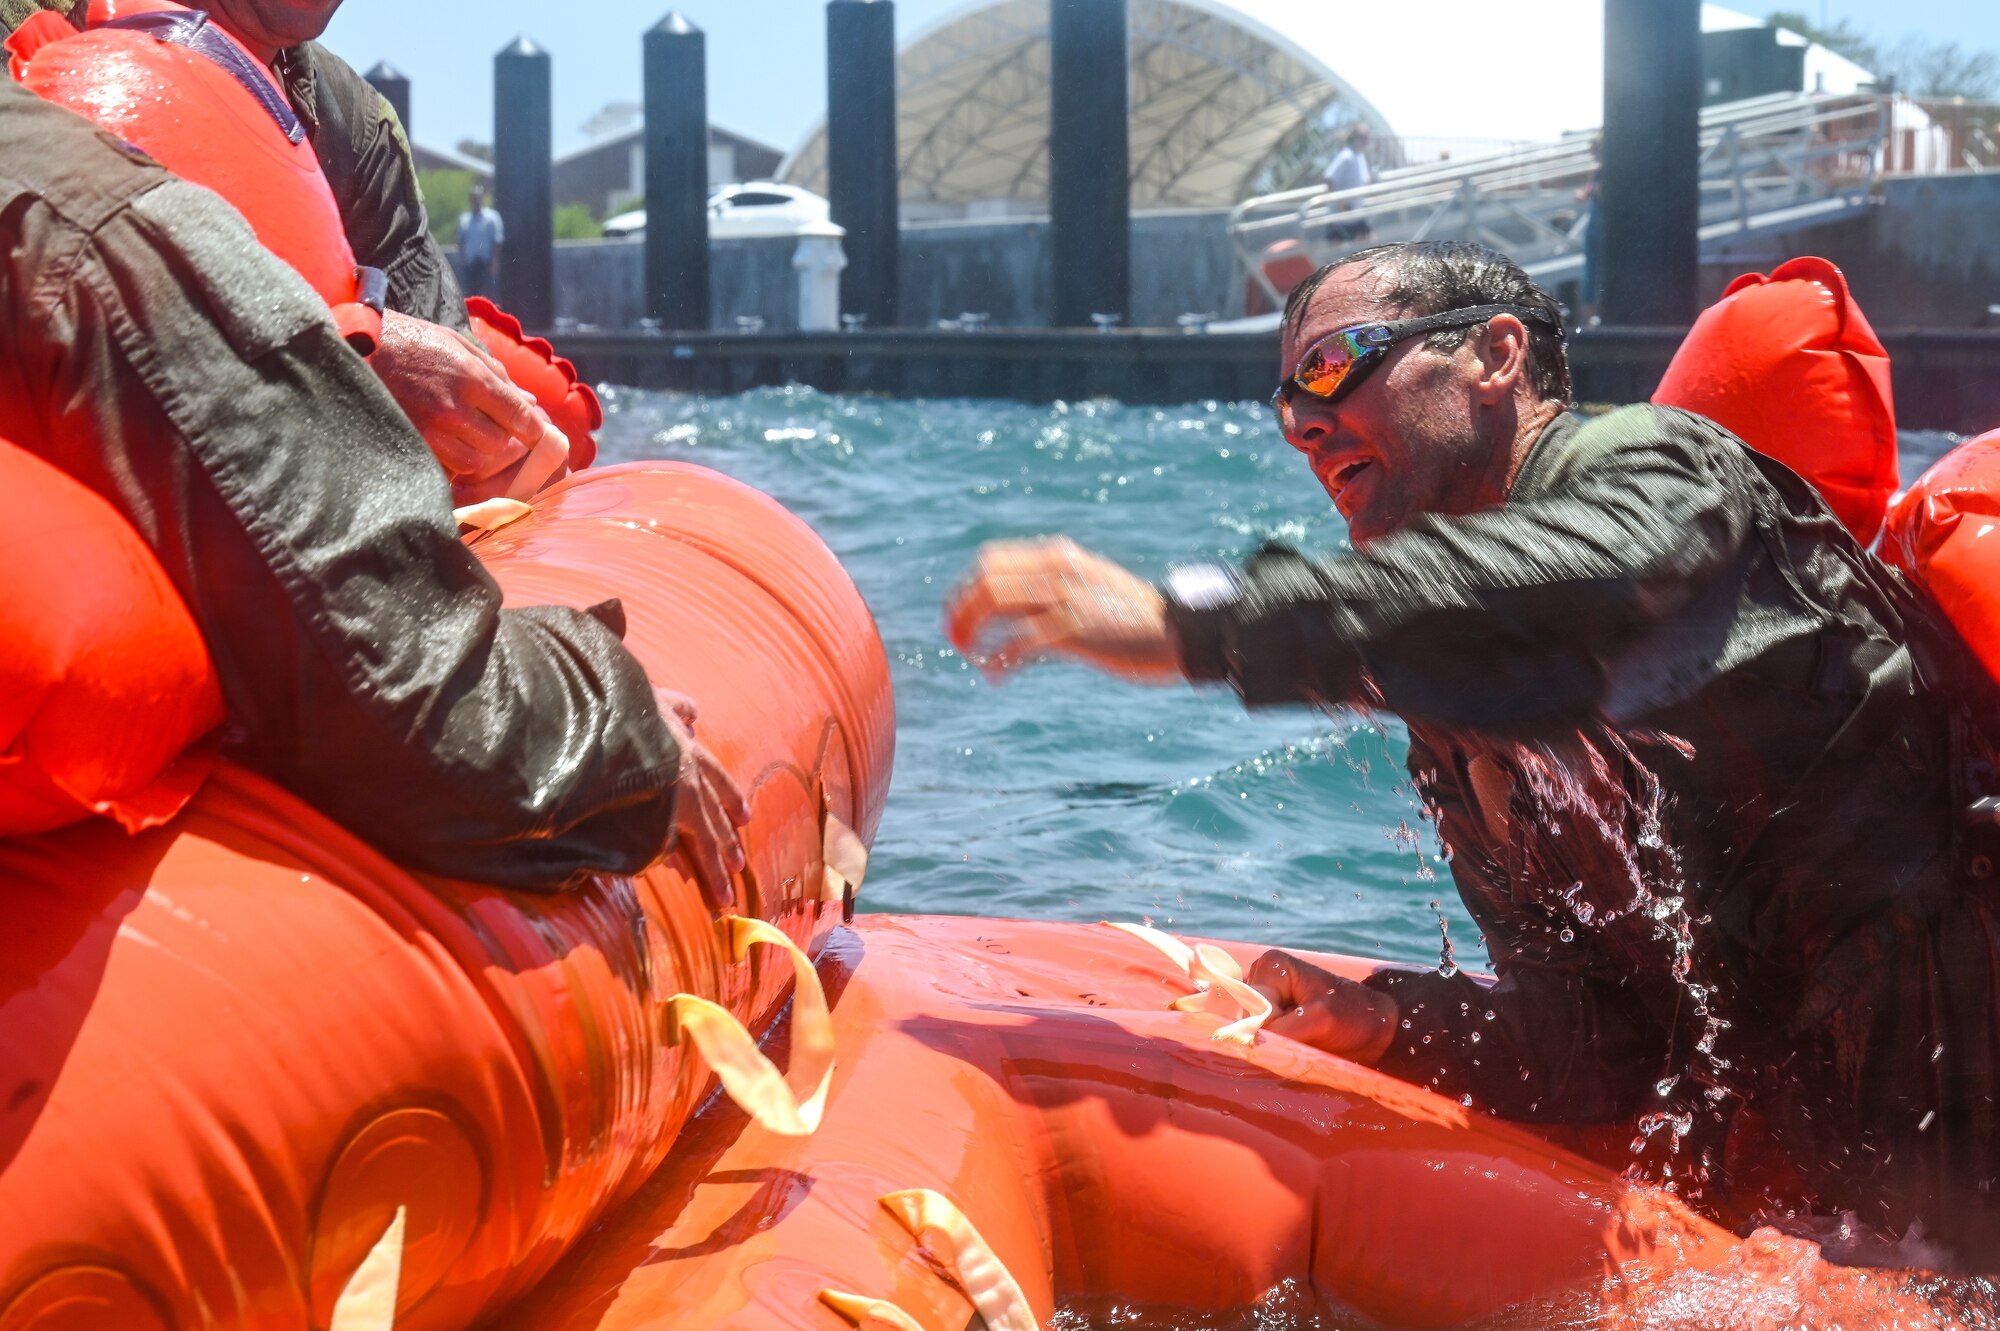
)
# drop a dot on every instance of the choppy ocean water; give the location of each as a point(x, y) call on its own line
point(1062, 795)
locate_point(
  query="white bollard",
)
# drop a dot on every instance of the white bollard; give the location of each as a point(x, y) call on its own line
point(819, 260)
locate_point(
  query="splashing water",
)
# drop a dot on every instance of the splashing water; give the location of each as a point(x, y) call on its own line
point(1608, 803)
point(1447, 961)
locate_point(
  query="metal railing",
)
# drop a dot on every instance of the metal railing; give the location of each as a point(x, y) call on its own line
point(1932, 136)
point(1769, 163)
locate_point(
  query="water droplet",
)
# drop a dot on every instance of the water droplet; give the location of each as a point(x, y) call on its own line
point(1465, 1100)
point(1665, 1084)
point(1475, 1037)
point(1568, 934)
point(1406, 1023)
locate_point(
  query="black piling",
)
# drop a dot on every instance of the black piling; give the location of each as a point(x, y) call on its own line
point(394, 86)
point(676, 81)
point(861, 153)
point(523, 193)
point(1090, 192)
point(1649, 187)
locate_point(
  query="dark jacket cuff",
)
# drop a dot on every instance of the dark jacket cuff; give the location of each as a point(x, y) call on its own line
point(1201, 637)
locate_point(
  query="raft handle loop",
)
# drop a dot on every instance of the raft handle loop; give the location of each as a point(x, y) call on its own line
point(1216, 977)
point(860, 1310)
point(944, 1231)
point(747, 1077)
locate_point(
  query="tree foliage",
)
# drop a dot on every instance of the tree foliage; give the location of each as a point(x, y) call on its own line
point(1925, 68)
point(1917, 65)
point(575, 221)
point(1841, 37)
point(447, 193)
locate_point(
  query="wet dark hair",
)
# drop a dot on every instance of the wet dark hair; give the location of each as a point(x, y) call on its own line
point(1422, 277)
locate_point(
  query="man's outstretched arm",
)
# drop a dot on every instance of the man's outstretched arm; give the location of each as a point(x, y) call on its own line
point(1515, 617)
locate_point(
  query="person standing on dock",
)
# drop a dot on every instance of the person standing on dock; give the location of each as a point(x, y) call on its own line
point(1700, 763)
point(1348, 170)
point(480, 235)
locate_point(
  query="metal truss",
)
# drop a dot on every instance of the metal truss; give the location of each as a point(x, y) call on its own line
point(1211, 102)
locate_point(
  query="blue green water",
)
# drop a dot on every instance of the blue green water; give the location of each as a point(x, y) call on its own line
point(1062, 795)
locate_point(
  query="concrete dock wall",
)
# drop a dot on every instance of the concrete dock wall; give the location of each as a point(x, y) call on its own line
point(1928, 257)
point(1181, 264)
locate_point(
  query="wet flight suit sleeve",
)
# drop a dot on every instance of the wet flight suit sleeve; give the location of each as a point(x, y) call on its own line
point(363, 150)
point(151, 348)
point(1513, 621)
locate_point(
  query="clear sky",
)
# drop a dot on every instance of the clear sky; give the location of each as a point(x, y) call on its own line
point(766, 58)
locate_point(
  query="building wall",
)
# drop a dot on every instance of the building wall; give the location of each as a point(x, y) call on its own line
point(611, 172)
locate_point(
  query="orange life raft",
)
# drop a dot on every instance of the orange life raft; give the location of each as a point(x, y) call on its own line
point(237, 1047)
point(233, 1047)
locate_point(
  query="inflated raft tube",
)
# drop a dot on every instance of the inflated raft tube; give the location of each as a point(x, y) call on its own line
point(1942, 533)
point(1109, 1156)
point(236, 1046)
point(105, 684)
point(1789, 364)
point(163, 78)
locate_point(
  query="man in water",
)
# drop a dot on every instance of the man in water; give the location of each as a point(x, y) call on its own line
point(150, 347)
point(478, 425)
point(1695, 757)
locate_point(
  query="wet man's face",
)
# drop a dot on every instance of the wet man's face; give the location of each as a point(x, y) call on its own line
point(1407, 440)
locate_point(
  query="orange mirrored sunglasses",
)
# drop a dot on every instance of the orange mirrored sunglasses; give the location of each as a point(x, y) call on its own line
point(1332, 366)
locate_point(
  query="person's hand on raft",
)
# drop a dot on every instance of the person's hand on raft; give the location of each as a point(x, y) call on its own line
point(708, 806)
point(490, 437)
point(1330, 1012)
point(1028, 601)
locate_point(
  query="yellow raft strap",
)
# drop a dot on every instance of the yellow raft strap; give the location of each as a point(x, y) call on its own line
point(943, 1229)
point(860, 1310)
point(845, 858)
point(368, 1302)
point(491, 514)
point(1216, 972)
point(747, 1076)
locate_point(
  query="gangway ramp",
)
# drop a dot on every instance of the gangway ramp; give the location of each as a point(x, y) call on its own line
point(1769, 165)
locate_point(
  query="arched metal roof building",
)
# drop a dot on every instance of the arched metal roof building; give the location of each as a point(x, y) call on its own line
point(1219, 87)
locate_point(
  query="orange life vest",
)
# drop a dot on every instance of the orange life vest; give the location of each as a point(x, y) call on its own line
point(166, 80)
point(1789, 364)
